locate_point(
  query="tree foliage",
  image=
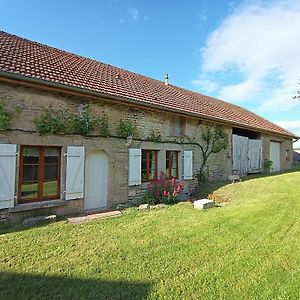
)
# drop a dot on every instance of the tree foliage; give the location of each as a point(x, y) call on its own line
point(213, 140)
point(298, 94)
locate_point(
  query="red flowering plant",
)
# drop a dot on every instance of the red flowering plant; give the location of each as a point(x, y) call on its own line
point(163, 190)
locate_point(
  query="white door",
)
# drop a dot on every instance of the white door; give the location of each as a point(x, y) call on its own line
point(254, 155)
point(240, 154)
point(275, 156)
point(96, 180)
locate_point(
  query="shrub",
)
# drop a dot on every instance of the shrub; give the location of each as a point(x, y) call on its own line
point(267, 165)
point(163, 190)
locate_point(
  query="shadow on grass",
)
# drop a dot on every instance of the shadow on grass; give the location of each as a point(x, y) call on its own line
point(295, 168)
point(209, 187)
point(16, 227)
point(27, 286)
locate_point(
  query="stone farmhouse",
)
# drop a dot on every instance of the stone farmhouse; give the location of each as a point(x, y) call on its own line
point(70, 173)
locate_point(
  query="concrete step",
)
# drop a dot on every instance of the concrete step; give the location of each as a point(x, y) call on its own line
point(102, 215)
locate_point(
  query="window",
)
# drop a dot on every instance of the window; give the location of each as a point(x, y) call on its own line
point(287, 155)
point(177, 126)
point(172, 163)
point(149, 164)
point(39, 173)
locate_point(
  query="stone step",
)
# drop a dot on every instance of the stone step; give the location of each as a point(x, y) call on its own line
point(204, 204)
point(102, 215)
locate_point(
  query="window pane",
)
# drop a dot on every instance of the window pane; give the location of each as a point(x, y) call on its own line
point(50, 188)
point(176, 126)
point(51, 155)
point(144, 165)
point(152, 164)
point(30, 173)
point(29, 190)
point(50, 173)
point(30, 155)
point(171, 163)
point(174, 164)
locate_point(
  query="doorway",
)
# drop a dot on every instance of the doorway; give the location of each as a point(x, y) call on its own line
point(96, 180)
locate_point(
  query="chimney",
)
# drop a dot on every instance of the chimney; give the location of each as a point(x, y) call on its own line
point(166, 79)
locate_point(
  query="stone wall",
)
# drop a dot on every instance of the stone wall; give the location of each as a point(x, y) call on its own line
point(286, 150)
point(32, 101)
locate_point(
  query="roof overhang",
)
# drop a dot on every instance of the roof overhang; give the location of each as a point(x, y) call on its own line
point(68, 89)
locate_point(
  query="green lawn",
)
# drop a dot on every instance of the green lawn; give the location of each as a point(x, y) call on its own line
point(248, 249)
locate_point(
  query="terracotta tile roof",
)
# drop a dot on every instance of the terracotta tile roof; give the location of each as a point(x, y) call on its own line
point(34, 60)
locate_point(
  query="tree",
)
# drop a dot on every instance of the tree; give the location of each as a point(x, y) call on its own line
point(298, 95)
point(213, 140)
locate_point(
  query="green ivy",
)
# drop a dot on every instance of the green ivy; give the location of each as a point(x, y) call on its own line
point(126, 128)
point(103, 126)
point(48, 123)
point(5, 117)
point(55, 122)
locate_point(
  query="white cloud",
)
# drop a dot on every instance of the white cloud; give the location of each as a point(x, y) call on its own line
point(134, 13)
point(289, 125)
point(206, 85)
point(258, 41)
point(293, 126)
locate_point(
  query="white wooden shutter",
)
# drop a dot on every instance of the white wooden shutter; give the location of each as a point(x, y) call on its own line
point(7, 175)
point(135, 166)
point(75, 173)
point(187, 164)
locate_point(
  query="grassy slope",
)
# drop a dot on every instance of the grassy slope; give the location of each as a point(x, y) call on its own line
point(249, 249)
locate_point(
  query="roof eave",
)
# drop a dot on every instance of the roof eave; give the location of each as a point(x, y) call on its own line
point(64, 87)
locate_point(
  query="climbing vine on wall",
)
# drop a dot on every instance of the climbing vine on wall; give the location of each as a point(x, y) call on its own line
point(66, 122)
point(154, 137)
point(5, 117)
point(126, 128)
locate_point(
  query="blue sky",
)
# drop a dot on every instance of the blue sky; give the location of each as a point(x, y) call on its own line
point(245, 52)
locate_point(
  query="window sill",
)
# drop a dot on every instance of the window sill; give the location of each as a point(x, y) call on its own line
point(38, 205)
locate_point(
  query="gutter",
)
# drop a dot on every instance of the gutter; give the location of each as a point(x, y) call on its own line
point(120, 99)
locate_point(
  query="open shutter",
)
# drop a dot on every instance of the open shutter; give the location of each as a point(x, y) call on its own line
point(75, 172)
point(187, 164)
point(135, 166)
point(7, 175)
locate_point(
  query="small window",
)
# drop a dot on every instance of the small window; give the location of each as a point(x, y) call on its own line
point(149, 164)
point(177, 126)
point(287, 155)
point(172, 163)
point(39, 173)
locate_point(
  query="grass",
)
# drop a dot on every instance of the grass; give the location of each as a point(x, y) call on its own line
point(248, 249)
